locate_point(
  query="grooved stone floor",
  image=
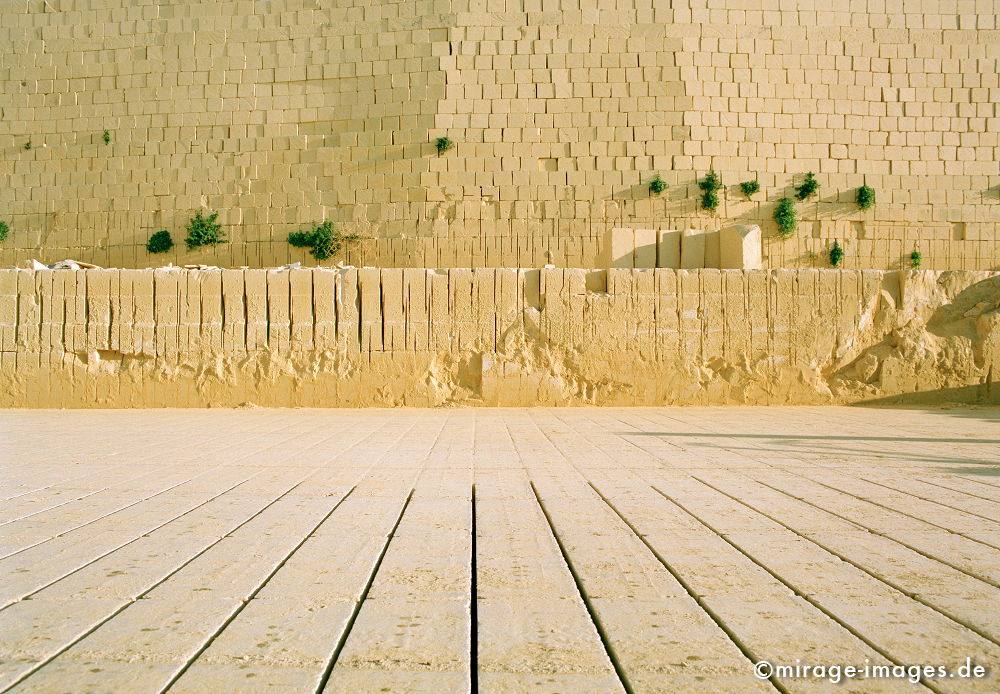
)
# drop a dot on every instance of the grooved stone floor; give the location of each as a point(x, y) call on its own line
point(512, 550)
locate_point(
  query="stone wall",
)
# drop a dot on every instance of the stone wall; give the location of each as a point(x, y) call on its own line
point(286, 112)
point(389, 337)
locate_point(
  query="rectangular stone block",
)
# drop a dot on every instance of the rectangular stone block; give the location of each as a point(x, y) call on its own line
point(740, 247)
point(668, 248)
point(324, 307)
point(645, 248)
point(619, 248)
point(234, 316)
point(712, 249)
point(393, 317)
point(692, 249)
point(370, 288)
point(301, 307)
point(256, 307)
point(8, 310)
point(279, 325)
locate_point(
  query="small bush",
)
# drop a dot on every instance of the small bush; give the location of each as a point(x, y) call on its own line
point(711, 185)
point(915, 259)
point(866, 197)
point(204, 231)
point(836, 254)
point(657, 185)
point(784, 215)
point(4, 230)
point(808, 187)
point(443, 144)
point(324, 240)
point(160, 242)
point(27, 145)
point(750, 187)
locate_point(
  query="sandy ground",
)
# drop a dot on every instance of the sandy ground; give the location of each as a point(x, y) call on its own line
point(511, 550)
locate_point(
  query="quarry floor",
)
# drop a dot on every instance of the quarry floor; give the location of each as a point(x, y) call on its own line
point(511, 550)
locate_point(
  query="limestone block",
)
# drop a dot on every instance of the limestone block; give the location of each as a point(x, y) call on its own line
point(98, 309)
point(441, 327)
point(301, 308)
point(8, 310)
point(645, 248)
point(347, 301)
point(393, 317)
point(141, 282)
point(415, 308)
point(692, 249)
point(619, 248)
point(712, 249)
point(740, 247)
point(255, 297)
point(370, 289)
point(668, 248)
point(234, 316)
point(460, 302)
point(279, 325)
point(189, 299)
point(211, 310)
point(324, 310)
point(166, 311)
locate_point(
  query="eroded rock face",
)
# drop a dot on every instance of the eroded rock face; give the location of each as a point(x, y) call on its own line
point(415, 337)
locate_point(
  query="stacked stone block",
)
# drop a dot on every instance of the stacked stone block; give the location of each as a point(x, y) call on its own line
point(288, 112)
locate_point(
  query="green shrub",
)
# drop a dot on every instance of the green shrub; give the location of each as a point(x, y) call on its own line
point(915, 259)
point(836, 254)
point(866, 197)
point(750, 187)
point(27, 145)
point(808, 188)
point(443, 144)
point(204, 231)
point(657, 185)
point(784, 215)
point(160, 242)
point(106, 137)
point(4, 230)
point(710, 185)
point(324, 240)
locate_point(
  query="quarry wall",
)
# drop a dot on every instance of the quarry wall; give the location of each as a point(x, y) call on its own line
point(282, 113)
point(389, 337)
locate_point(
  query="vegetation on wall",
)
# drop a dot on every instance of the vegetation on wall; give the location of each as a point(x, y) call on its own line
point(657, 185)
point(27, 145)
point(160, 242)
point(784, 215)
point(711, 185)
point(866, 197)
point(106, 137)
point(324, 240)
point(4, 230)
point(443, 144)
point(750, 187)
point(916, 257)
point(836, 254)
point(808, 188)
point(204, 231)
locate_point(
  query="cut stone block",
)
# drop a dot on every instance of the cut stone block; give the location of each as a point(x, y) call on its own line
point(645, 248)
point(740, 247)
point(619, 245)
point(712, 249)
point(668, 248)
point(692, 249)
